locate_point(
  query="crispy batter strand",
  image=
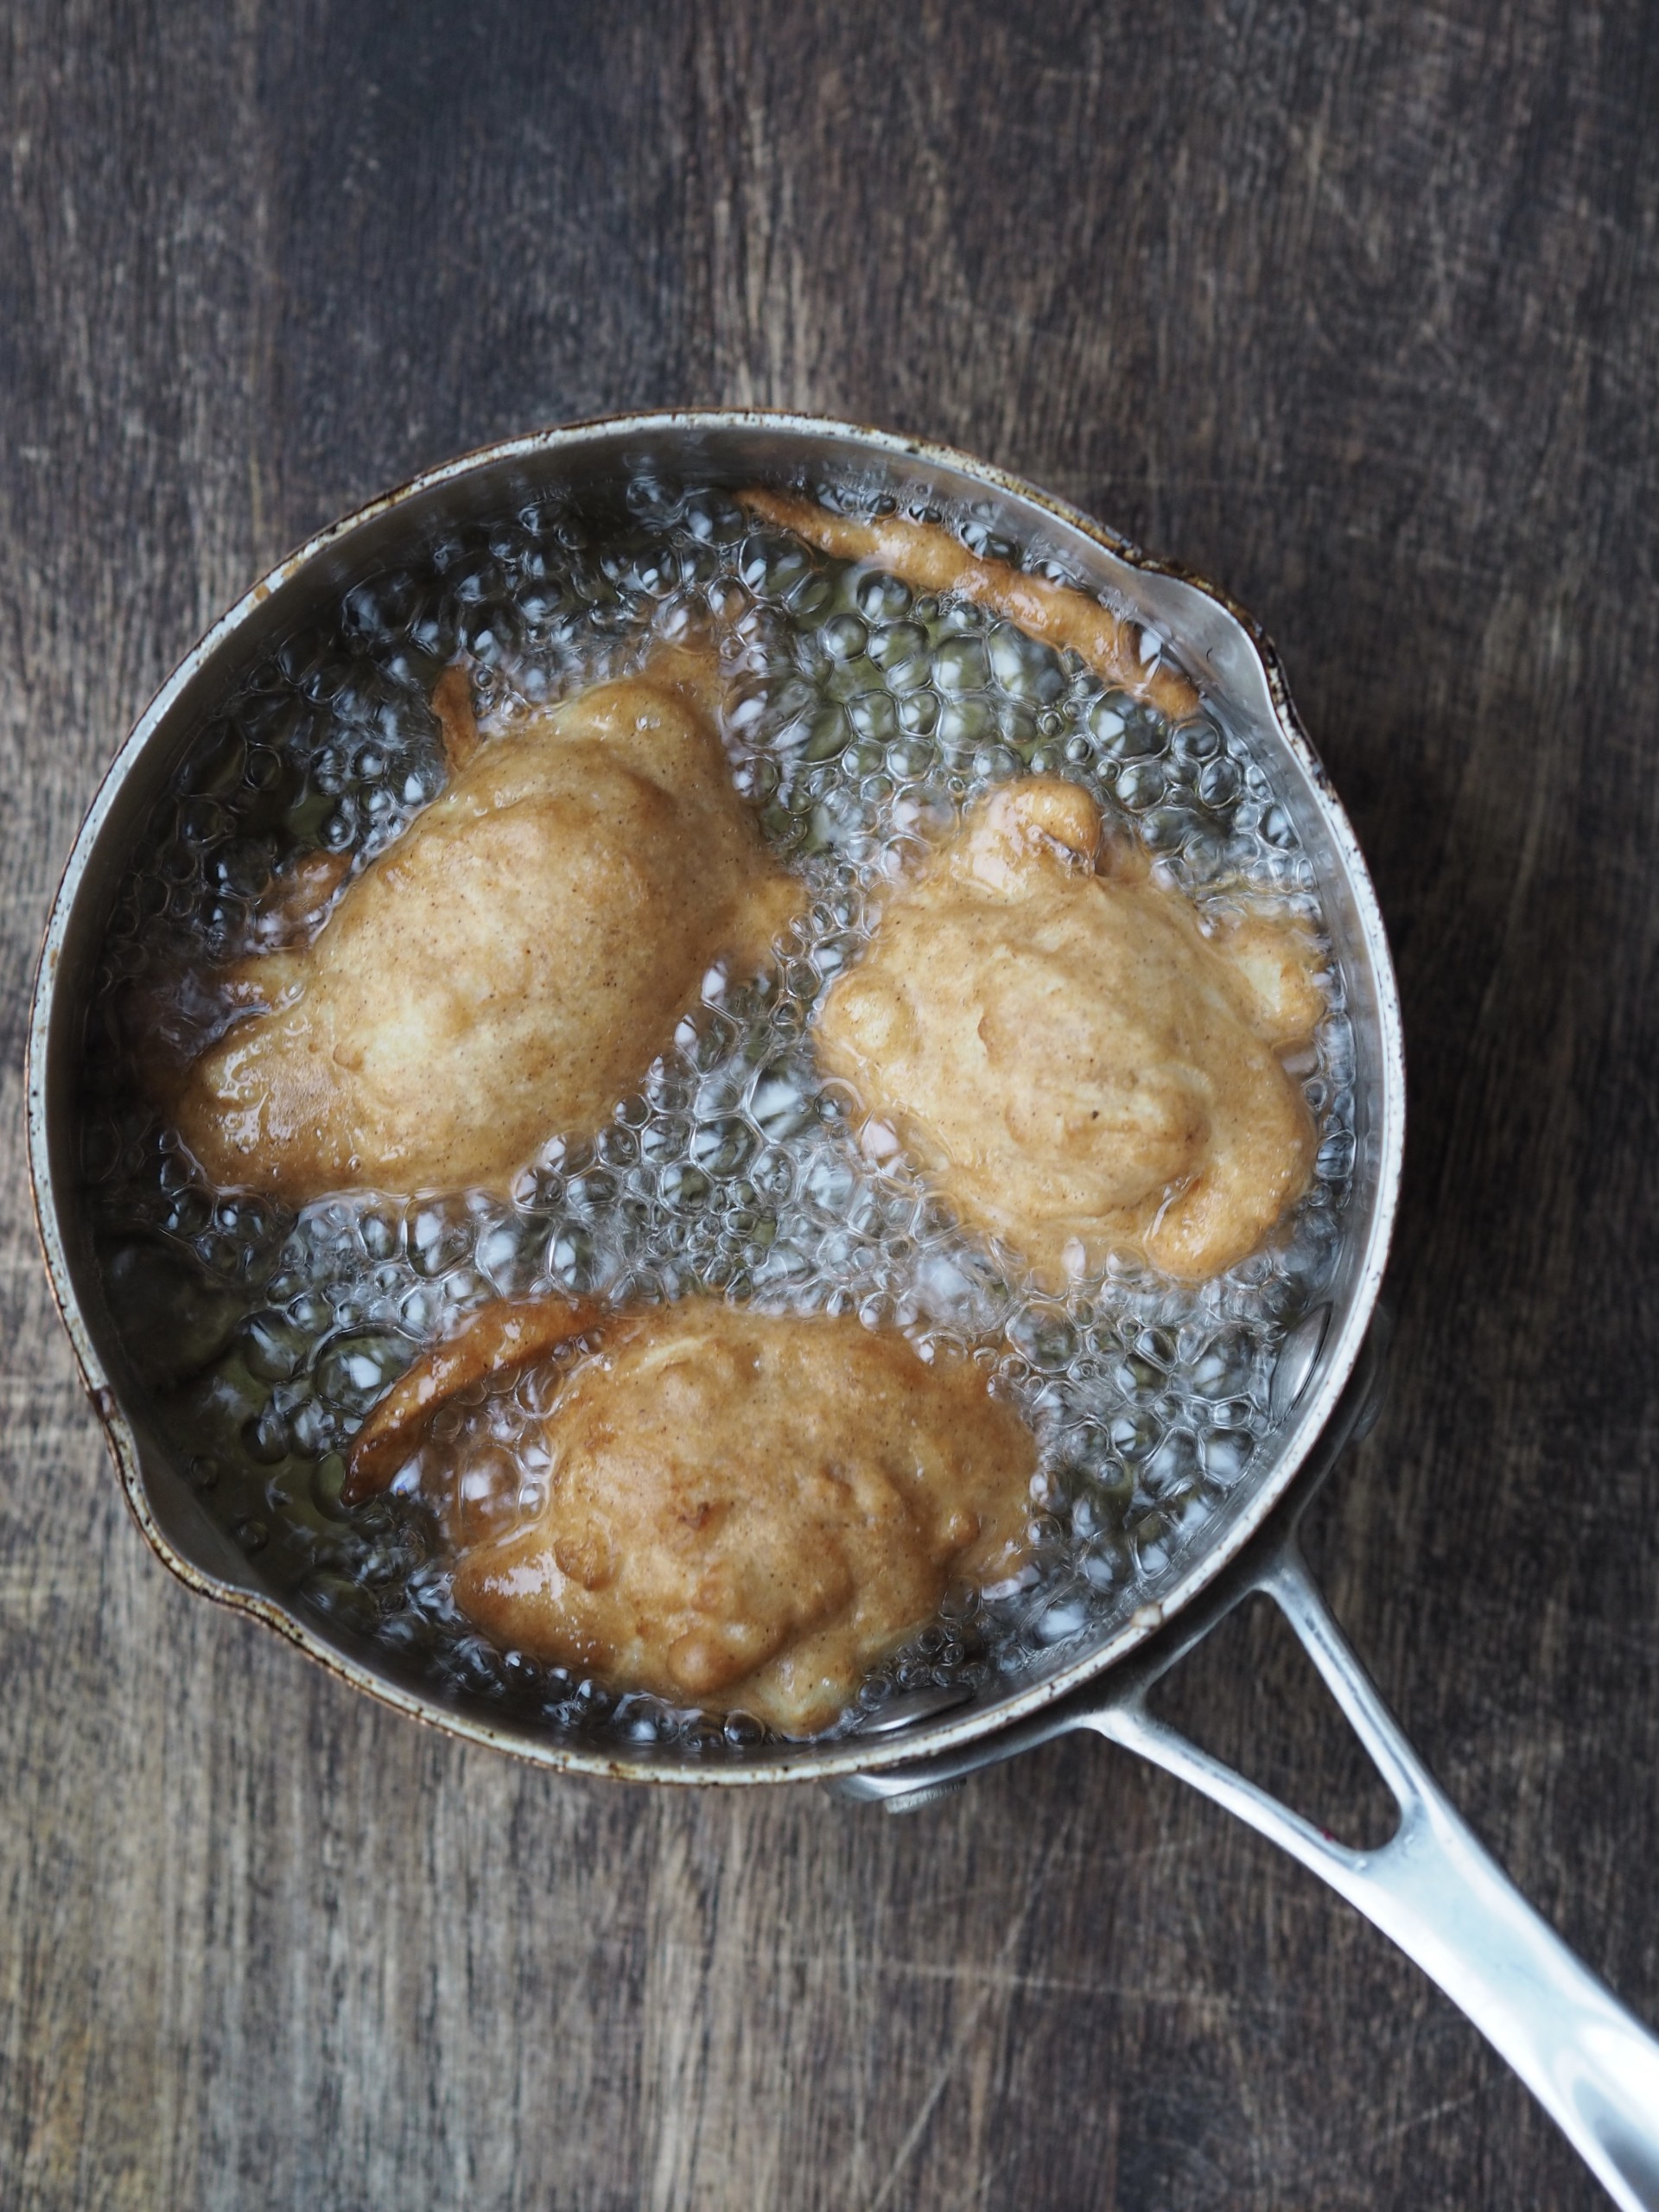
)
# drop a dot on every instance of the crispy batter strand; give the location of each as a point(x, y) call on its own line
point(452, 703)
point(499, 1340)
point(932, 559)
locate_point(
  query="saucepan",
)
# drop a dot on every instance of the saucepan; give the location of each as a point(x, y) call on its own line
point(1432, 1887)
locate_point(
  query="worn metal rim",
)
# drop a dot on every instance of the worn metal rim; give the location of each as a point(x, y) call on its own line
point(845, 1754)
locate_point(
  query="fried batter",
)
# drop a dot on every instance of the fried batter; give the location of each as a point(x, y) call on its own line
point(743, 1510)
point(509, 967)
point(931, 558)
point(1078, 1065)
point(510, 1334)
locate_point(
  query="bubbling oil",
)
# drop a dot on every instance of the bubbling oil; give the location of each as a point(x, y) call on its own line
point(860, 719)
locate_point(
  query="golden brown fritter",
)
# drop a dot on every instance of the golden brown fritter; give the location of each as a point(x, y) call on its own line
point(505, 971)
point(1079, 1067)
point(743, 1510)
point(932, 558)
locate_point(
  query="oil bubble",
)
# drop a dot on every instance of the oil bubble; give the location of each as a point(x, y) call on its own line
point(862, 717)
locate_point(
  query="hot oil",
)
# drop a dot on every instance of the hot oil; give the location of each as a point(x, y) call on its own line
point(860, 719)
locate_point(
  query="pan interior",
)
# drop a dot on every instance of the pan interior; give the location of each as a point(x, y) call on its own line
point(242, 1344)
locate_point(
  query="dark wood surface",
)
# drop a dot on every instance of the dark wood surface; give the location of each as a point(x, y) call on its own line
point(1353, 308)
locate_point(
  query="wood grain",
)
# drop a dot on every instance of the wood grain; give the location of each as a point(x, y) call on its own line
point(1353, 307)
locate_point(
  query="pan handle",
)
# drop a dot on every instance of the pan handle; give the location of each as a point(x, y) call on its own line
point(1439, 1896)
point(1432, 1887)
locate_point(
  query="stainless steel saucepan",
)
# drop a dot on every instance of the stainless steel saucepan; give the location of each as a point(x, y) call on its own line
point(1431, 1888)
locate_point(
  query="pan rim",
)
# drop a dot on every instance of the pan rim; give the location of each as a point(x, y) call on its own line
point(805, 1761)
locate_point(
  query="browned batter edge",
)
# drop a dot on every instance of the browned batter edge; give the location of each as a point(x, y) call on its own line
point(931, 558)
point(504, 1338)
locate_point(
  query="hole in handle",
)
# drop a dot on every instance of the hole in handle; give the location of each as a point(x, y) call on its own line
point(1250, 1696)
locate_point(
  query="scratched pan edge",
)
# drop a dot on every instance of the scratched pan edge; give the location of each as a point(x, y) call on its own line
point(1217, 639)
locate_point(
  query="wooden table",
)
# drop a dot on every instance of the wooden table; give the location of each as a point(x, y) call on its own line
point(1354, 308)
